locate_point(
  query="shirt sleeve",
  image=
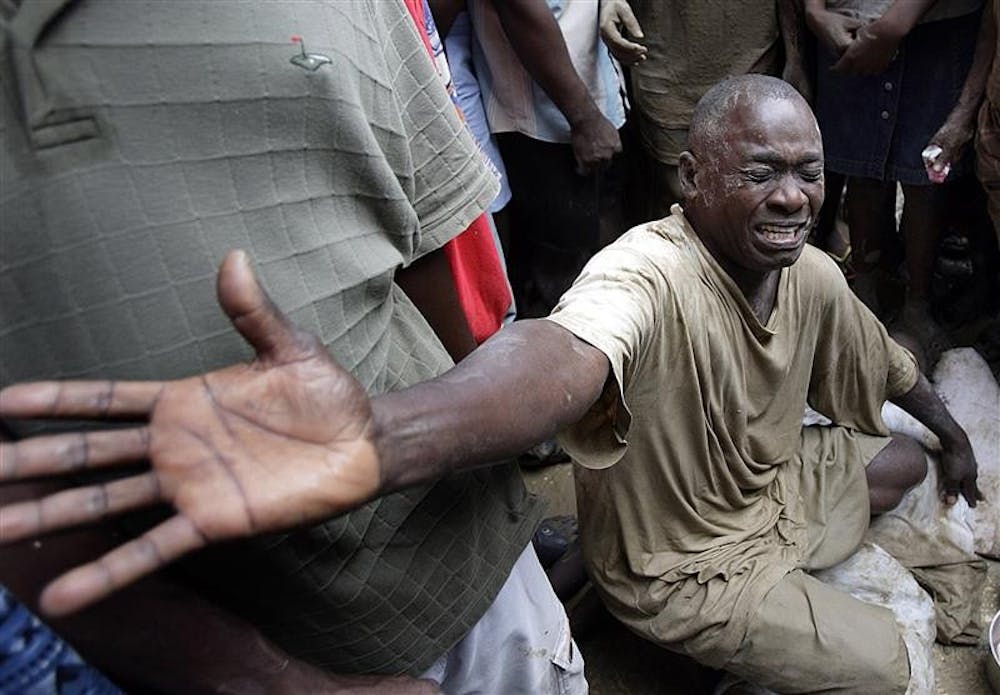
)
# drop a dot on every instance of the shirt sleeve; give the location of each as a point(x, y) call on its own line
point(443, 172)
point(610, 306)
point(857, 365)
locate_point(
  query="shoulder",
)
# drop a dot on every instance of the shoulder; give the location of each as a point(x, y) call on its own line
point(817, 273)
point(659, 244)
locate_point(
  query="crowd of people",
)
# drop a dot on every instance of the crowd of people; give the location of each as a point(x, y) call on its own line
point(316, 489)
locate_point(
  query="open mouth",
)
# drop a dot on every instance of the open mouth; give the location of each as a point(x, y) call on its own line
point(782, 235)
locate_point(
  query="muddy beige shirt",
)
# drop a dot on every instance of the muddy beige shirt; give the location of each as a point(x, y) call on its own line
point(682, 459)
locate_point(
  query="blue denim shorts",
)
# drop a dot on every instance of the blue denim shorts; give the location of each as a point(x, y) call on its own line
point(35, 661)
point(876, 126)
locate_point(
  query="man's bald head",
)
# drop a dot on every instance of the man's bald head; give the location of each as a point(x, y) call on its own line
point(711, 114)
point(752, 177)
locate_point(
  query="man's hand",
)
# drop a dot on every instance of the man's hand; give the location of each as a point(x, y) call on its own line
point(616, 14)
point(952, 137)
point(595, 143)
point(959, 471)
point(253, 448)
point(832, 29)
point(958, 462)
point(873, 48)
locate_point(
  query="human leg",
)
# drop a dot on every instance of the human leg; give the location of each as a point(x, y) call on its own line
point(826, 234)
point(871, 220)
point(896, 469)
point(808, 637)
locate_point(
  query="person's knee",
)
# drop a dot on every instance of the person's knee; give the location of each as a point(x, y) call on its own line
point(899, 467)
point(886, 676)
point(913, 468)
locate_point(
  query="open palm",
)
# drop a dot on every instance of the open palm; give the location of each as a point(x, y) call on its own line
point(252, 448)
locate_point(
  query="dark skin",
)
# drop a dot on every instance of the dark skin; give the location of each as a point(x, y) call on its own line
point(868, 49)
point(865, 49)
point(213, 440)
point(960, 127)
point(538, 42)
point(230, 655)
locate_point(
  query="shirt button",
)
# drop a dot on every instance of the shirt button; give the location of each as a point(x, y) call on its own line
point(888, 86)
point(885, 115)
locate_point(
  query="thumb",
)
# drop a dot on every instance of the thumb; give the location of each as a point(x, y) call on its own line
point(270, 333)
point(629, 21)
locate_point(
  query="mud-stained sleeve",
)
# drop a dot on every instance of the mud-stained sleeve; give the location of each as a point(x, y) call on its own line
point(610, 306)
point(903, 370)
point(857, 366)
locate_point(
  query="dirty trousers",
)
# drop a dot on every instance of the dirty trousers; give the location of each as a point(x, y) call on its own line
point(809, 637)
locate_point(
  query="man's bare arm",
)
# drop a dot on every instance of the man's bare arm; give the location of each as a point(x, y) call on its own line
point(958, 463)
point(286, 440)
point(535, 35)
point(960, 126)
point(517, 389)
point(791, 22)
point(875, 45)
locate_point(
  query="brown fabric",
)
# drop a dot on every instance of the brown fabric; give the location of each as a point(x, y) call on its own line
point(692, 441)
point(693, 44)
point(807, 636)
point(988, 134)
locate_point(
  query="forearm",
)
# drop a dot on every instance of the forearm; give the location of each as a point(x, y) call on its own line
point(791, 21)
point(535, 36)
point(444, 13)
point(813, 11)
point(518, 388)
point(430, 285)
point(963, 115)
point(924, 404)
point(900, 18)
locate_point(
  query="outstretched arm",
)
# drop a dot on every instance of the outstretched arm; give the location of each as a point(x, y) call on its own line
point(535, 35)
point(958, 463)
point(286, 440)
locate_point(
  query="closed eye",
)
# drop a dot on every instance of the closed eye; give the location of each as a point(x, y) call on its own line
point(758, 174)
point(811, 174)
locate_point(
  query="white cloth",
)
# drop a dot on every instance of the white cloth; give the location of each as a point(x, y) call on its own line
point(521, 646)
